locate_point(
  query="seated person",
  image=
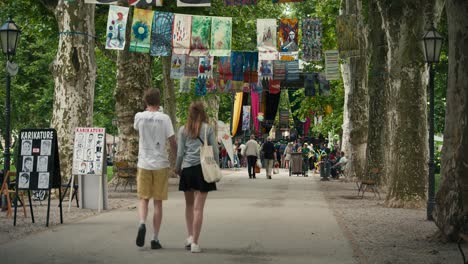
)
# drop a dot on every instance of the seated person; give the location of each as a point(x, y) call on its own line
point(340, 165)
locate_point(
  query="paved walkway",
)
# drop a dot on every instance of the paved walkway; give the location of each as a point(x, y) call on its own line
point(283, 220)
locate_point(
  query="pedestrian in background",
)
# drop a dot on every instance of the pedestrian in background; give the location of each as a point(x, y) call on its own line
point(188, 166)
point(252, 152)
point(155, 129)
point(268, 149)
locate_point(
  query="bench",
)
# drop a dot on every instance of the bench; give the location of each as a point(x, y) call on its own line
point(369, 183)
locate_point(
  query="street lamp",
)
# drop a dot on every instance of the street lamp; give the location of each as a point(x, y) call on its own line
point(432, 41)
point(9, 36)
point(115, 122)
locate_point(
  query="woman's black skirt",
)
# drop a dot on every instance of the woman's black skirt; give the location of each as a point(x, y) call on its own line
point(191, 179)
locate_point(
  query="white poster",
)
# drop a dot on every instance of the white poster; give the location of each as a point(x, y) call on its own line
point(225, 136)
point(88, 151)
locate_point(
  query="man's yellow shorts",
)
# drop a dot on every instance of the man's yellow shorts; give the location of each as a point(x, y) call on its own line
point(152, 184)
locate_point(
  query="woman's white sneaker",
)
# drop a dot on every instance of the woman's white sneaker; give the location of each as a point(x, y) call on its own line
point(195, 248)
point(188, 242)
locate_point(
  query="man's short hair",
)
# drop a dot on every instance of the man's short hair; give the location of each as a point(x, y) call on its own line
point(152, 97)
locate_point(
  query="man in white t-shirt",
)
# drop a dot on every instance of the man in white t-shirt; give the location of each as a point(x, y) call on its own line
point(155, 129)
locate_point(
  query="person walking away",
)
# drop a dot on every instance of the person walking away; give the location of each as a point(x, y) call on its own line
point(224, 157)
point(154, 129)
point(188, 166)
point(287, 155)
point(252, 152)
point(236, 162)
point(269, 155)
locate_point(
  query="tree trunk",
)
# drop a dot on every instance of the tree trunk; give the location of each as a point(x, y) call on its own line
point(452, 198)
point(169, 104)
point(379, 132)
point(74, 72)
point(133, 78)
point(356, 98)
point(404, 28)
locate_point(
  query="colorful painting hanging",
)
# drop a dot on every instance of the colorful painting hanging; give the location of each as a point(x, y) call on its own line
point(237, 65)
point(221, 36)
point(331, 65)
point(200, 86)
point(191, 66)
point(239, 2)
point(161, 37)
point(311, 39)
point(200, 39)
point(181, 34)
point(145, 3)
point(288, 35)
point(141, 30)
point(266, 39)
point(205, 67)
point(193, 3)
point(116, 25)
point(265, 71)
point(106, 2)
point(177, 66)
point(245, 117)
point(224, 68)
point(250, 67)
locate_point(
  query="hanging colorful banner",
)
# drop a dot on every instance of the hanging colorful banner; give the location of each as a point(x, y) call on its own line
point(292, 70)
point(200, 86)
point(191, 66)
point(288, 35)
point(177, 66)
point(145, 3)
point(200, 39)
point(250, 67)
point(239, 2)
point(193, 3)
point(221, 36)
point(205, 67)
point(106, 2)
point(116, 25)
point(237, 66)
point(245, 117)
point(224, 68)
point(266, 69)
point(141, 30)
point(181, 34)
point(266, 39)
point(279, 70)
point(331, 65)
point(347, 27)
point(311, 39)
point(161, 37)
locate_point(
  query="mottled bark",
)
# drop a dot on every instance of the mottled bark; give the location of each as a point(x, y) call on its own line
point(169, 104)
point(379, 133)
point(74, 72)
point(452, 198)
point(356, 98)
point(404, 27)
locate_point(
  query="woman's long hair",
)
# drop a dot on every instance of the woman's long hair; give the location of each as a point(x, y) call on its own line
point(196, 117)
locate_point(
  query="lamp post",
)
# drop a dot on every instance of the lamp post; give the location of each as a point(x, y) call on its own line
point(115, 122)
point(9, 36)
point(432, 41)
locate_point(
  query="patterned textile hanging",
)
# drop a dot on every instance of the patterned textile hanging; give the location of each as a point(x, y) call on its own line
point(181, 34)
point(116, 27)
point(161, 37)
point(245, 117)
point(331, 65)
point(205, 67)
point(177, 66)
point(200, 37)
point(250, 67)
point(255, 101)
point(200, 86)
point(292, 70)
point(279, 70)
point(288, 35)
point(145, 3)
point(221, 36)
point(275, 86)
point(239, 2)
point(237, 65)
point(266, 39)
point(141, 30)
point(191, 66)
point(311, 39)
point(265, 70)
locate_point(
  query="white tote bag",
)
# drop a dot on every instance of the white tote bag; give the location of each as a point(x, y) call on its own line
point(210, 168)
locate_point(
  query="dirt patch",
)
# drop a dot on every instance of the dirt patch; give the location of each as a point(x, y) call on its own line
point(386, 235)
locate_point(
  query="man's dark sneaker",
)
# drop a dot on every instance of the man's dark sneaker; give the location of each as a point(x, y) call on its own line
point(155, 244)
point(140, 240)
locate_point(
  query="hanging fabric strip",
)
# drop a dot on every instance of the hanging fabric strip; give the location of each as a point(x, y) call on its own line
point(237, 65)
point(279, 70)
point(236, 112)
point(193, 3)
point(311, 39)
point(331, 65)
point(161, 38)
point(191, 66)
point(265, 70)
point(141, 30)
point(239, 2)
point(145, 3)
point(221, 36)
point(266, 39)
point(205, 67)
point(200, 39)
point(246, 117)
point(292, 70)
point(200, 86)
point(307, 126)
point(185, 85)
point(116, 27)
point(177, 66)
point(181, 34)
point(255, 100)
point(250, 67)
point(224, 68)
point(288, 35)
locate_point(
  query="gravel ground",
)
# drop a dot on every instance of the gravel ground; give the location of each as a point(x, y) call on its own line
point(386, 235)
